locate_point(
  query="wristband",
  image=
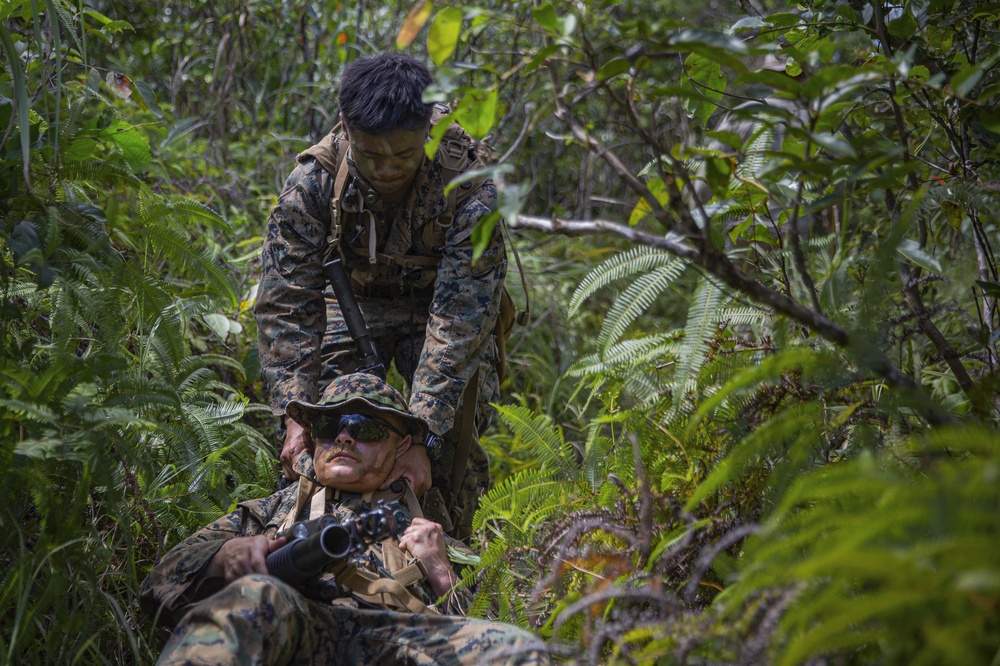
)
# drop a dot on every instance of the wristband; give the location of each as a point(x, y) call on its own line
point(433, 444)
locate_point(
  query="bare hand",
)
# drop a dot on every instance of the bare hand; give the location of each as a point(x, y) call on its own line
point(424, 539)
point(413, 466)
point(296, 441)
point(241, 556)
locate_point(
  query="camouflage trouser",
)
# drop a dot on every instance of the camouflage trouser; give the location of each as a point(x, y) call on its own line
point(261, 620)
point(397, 326)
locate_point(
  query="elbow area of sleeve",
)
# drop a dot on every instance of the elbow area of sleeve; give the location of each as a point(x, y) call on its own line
point(438, 414)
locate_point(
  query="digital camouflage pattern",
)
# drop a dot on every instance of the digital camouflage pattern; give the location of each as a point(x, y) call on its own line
point(259, 619)
point(439, 335)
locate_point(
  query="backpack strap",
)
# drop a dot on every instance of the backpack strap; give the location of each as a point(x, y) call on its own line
point(336, 228)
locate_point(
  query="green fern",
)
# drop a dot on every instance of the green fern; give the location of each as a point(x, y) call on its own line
point(634, 301)
point(699, 331)
point(636, 261)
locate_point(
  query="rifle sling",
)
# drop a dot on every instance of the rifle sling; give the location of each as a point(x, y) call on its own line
point(466, 433)
point(383, 591)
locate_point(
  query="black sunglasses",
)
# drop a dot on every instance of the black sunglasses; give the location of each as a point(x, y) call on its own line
point(360, 426)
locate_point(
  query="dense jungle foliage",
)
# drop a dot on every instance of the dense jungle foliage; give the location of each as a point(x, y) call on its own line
point(753, 418)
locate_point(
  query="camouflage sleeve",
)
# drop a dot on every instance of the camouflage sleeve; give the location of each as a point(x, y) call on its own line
point(176, 580)
point(462, 314)
point(290, 310)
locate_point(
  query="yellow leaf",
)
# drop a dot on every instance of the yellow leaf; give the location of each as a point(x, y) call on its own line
point(641, 210)
point(415, 20)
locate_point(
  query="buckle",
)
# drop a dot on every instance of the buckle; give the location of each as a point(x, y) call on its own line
point(454, 148)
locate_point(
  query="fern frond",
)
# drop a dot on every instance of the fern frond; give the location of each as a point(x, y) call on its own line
point(699, 331)
point(542, 439)
point(181, 210)
point(517, 496)
point(177, 249)
point(627, 354)
point(637, 260)
point(635, 300)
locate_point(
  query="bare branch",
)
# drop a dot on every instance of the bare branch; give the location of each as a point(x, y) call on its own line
point(716, 263)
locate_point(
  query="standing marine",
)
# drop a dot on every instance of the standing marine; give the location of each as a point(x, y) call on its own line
point(369, 194)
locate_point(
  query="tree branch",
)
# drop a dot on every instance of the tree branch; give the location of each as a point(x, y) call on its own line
point(716, 263)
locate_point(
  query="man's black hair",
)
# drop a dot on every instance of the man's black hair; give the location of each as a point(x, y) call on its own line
point(382, 93)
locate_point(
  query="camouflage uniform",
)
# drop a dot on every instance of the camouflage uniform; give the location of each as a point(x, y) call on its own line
point(439, 334)
point(260, 619)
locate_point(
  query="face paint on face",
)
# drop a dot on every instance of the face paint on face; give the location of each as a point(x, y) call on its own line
point(343, 462)
point(388, 161)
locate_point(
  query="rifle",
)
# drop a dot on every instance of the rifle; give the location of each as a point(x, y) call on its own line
point(367, 353)
point(316, 544)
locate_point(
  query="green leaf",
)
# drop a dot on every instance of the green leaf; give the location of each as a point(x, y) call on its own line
point(706, 80)
point(20, 99)
point(97, 16)
point(478, 115)
point(9, 8)
point(146, 99)
point(613, 68)
point(482, 234)
point(748, 23)
point(539, 58)
point(711, 38)
point(546, 16)
point(438, 132)
point(489, 172)
point(443, 35)
point(911, 250)
point(113, 27)
point(717, 172)
point(134, 146)
point(991, 288)
point(834, 144)
point(643, 208)
point(81, 148)
point(904, 27)
point(968, 76)
point(716, 46)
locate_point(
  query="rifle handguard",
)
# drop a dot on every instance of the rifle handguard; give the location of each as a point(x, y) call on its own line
point(369, 360)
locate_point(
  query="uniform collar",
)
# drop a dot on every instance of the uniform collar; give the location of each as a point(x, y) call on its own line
point(426, 198)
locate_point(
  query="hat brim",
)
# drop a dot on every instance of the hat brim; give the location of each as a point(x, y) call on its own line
point(303, 413)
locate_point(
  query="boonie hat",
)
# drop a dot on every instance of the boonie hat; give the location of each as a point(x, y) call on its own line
point(349, 392)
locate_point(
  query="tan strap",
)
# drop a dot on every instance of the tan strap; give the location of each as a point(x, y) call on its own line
point(412, 573)
point(306, 489)
point(336, 228)
point(317, 505)
point(383, 592)
point(392, 556)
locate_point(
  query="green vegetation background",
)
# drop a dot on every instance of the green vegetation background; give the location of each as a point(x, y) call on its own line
point(753, 417)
